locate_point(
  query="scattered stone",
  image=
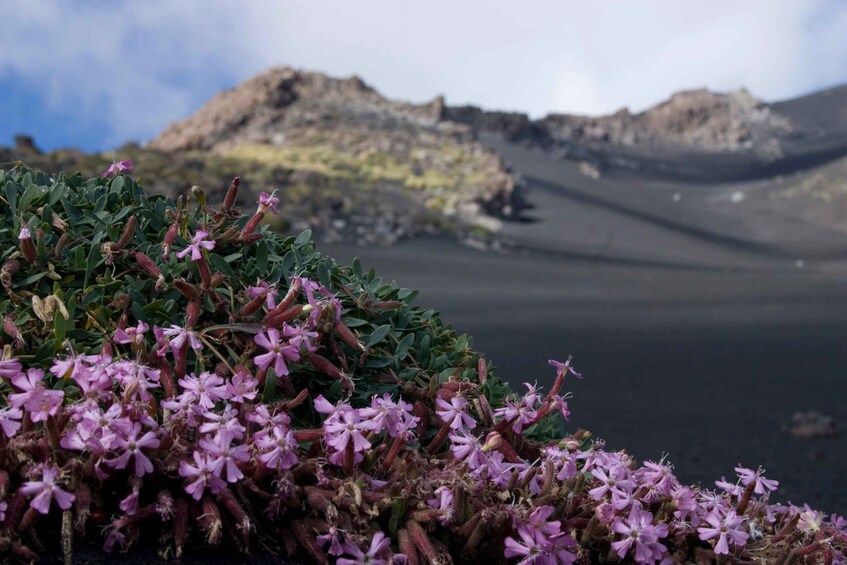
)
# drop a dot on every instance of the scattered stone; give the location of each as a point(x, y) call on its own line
point(811, 424)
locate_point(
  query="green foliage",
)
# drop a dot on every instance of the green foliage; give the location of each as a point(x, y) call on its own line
point(77, 225)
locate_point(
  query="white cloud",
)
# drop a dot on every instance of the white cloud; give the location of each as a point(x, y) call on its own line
point(140, 65)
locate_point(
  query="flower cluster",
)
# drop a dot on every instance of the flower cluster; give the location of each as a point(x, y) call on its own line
point(332, 420)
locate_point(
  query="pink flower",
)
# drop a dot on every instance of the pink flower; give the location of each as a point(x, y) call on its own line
point(468, 449)
point(300, 337)
point(536, 548)
point(337, 545)
point(345, 428)
point(46, 490)
point(226, 421)
point(725, 528)
point(523, 413)
point(226, 455)
point(379, 543)
point(131, 335)
point(268, 201)
point(10, 420)
point(178, 337)
point(124, 166)
point(203, 475)
point(444, 502)
point(615, 478)
point(455, 412)
point(278, 448)
point(563, 367)
point(749, 476)
point(638, 530)
point(265, 290)
point(36, 399)
point(197, 242)
point(131, 445)
point(396, 417)
point(242, 387)
point(207, 388)
point(9, 368)
point(277, 353)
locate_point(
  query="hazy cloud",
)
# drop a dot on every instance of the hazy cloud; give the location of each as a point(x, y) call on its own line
point(137, 66)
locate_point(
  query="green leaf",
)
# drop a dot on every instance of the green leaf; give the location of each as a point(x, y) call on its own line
point(403, 347)
point(60, 330)
point(303, 238)
point(378, 335)
point(93, 259)
point(12, 196)
point(262, 256)
point(117, 185)
point(30, 196)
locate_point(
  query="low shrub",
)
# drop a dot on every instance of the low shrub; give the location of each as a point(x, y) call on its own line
point(176, 375)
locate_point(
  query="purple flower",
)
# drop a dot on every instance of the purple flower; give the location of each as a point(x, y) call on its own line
point(131, 335)
point(468, 449)
point(726, 528)
point(197, 242)
point(749, 476)
point(10, 421)
point(178, 337)
point(226, 421)
point(277, 353)
point(443, 501)
point(226, 455)
point(131, 445)
point(300, 337)
point(522, 413)
point(615, 478)
point(265, 290)
point(640, 532)
point(537, 548)
point(206, 388)
point(810, 521)
point(3, 507)
point(36, 399)
point(278, 448)
point(658, 476)
point(385, 413)
point(345, 428)
point(268, 201)
point(563, 367)
point(336, 544)
point(46, 490)
point(124, 166)
point(202, 474)
point(242, 387)
point(455, 412)
point(379, 543)
point(9, 368)
point(731, 488)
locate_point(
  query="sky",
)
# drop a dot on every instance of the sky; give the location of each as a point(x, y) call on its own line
point(95, 74)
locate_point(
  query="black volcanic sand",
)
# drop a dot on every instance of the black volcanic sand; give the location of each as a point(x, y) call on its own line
point(697, 332)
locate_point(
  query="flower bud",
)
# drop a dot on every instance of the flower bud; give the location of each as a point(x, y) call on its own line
point(60, 246)
point(192, 312)
point(231, 194)
point(492, 441)
point(129, 231)
point(27, 245)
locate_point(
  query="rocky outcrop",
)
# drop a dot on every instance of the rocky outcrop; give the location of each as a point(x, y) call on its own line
point(267, 108)
point(695, 120)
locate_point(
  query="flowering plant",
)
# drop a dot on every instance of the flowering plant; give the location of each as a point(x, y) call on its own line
point(248, 392)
